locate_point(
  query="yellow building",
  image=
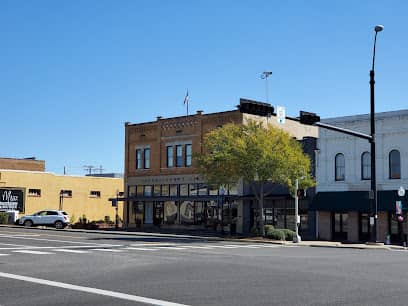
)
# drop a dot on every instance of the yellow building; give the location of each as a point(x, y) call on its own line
point(29, 191)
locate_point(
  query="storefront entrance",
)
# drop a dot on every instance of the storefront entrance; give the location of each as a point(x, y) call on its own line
point(339, 226)
point(364, 227)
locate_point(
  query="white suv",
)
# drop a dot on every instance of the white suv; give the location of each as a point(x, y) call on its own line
point(56, 218)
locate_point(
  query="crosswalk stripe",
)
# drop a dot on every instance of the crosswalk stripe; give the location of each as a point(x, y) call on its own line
point(32, 252)
point(70, 251)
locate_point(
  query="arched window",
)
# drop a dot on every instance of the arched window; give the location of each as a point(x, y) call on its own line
point(365, 166)
point(395, 164)
point(339, 167)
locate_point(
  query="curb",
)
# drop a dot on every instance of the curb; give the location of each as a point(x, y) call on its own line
point(213, 238)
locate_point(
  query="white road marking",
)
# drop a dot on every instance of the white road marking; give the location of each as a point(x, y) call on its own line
point(63, 241)
point(252, 246)
point(108, 250)
point(152, 244)
point(172, 248)
point(70, 251)
point(32, 252)
point(4, 254)
point(114, 294)
point(141, 249)
point(200, 247)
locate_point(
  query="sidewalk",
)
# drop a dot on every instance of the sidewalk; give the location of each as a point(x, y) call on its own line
point(211, 236)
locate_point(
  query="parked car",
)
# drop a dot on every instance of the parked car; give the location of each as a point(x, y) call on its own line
point(55, 218)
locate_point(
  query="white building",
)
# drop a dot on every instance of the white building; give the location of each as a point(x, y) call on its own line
point(343, 173)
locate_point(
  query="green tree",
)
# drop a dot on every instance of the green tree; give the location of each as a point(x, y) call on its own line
point(258, 155)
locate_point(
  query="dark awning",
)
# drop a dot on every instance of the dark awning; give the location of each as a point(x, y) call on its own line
point(356, 201)
point(341, 201)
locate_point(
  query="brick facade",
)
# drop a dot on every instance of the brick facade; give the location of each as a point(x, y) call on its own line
point(28, 164)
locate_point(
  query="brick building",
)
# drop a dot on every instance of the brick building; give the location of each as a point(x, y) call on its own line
point(163, 188)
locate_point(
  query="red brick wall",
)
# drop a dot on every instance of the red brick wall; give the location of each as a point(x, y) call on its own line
point(22, 164)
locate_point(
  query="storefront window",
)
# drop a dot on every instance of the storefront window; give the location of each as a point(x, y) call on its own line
point(173, 190)
point(213, 191)
point(193, 189)
point(147, 191)
point(186, 212)
point(202, 189)
point(170, 212)
point(184, 190)
point(156, 190)
point(233, 190)
point(165, 190)
point(199, 212)
point(132, 191)
point(140, 191)
point(138, 212)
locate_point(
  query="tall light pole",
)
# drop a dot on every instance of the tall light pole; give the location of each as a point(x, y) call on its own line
point(265, 76)
point(373, 192)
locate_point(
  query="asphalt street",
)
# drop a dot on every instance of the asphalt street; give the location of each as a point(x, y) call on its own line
point(43, 267)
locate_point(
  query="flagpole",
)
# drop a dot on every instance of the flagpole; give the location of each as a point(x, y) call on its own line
point(186, 98)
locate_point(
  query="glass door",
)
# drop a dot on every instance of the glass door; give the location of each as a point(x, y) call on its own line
point(339, 226)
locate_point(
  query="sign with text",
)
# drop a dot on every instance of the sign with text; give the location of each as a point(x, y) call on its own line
point(11, 199)
point(398, 208)
point(281, 114)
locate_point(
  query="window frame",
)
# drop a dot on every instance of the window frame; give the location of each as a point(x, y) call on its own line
point(366, 166)
point(179, 156)
point(138, 159)
point(394, 164)
point(146, 158)
point(169, 156)
point(338, 167)
point(188, 155)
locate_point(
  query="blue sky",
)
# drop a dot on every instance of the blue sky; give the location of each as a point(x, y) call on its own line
point(73, 72)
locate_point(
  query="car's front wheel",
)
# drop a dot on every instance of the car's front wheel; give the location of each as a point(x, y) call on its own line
point(59, 224)
point(28, 223)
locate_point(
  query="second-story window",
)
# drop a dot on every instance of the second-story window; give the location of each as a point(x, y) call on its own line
point(138, 159)
point(169, 150)
point(146, 158)
point(339, 167)
point(188, 155)
point(179, 156)
point(395, 164)
point(365, 166)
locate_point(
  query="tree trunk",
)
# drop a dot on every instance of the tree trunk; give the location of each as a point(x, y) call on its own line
point(261, 210)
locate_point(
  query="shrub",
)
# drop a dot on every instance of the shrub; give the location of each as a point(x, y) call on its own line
point(268, 228)
point(3, 218)
point(254, 231)
point(289, 234)
point(107, 219)
point(276, 234)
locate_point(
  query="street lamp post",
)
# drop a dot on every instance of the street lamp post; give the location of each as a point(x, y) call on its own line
point(373, 192)
point(265, 76)
point(297, 238)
